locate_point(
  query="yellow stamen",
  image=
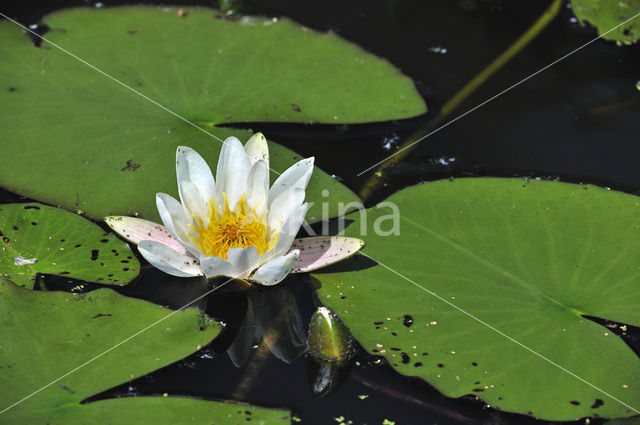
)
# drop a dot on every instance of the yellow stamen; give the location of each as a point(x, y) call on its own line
point(239, 228)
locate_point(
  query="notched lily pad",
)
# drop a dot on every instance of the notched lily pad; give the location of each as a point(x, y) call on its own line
point(40, 239)
point(608, 14)
point(47, 334)
point(529, 258)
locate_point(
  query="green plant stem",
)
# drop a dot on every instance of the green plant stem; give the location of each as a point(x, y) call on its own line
point(547, 16)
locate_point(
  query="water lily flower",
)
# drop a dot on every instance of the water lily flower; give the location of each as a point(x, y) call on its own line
point(235, 225)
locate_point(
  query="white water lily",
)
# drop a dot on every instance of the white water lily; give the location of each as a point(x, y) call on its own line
point(234, 225)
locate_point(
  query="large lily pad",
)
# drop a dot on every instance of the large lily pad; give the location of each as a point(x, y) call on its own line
point(530, 258)
point(608, 14)
point(40, 239)
point(77, 138)
point(45, 335)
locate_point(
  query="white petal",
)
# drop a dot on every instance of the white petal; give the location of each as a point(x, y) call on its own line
point(290, 229)
point(194, 201)
point(282, 207)
point(169, 261)
point(257, 149)
point(215, 266)
point(321, 251)
point(276, 270)
point(171, 212)
point(136, 229)
point(175, 220)
point(233, 170)
point(241, 262)
point(258, 186)
point(296, 176)
point(244, 260)
point(191, 167)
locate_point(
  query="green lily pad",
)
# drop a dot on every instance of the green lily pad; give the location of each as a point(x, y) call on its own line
point(78, 139)
point(48, 334)
point(40, 239)
point(607, 14)
point(531, 259)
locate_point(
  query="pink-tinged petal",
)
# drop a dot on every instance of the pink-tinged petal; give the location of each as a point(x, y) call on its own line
point(275, 270)
point(169, 261)
point(136, 230)
point(321, 251)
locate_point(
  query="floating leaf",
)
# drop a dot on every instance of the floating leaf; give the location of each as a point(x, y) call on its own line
point(530, 258)
point(48, 334)
point(608, 14)
point(40, 239)
point(109, 150)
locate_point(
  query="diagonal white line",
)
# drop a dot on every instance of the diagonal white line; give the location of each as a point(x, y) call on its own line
point(114, 79)
point(497, 95)
point(499, 332)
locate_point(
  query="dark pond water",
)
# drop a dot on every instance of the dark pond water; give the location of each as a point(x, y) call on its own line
point(577, 121)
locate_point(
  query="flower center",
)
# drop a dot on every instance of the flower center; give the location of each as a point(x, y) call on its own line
point(240, 228)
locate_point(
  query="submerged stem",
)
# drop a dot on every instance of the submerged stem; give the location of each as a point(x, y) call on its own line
point(516, 47)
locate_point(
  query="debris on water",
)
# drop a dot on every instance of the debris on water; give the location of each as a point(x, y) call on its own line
point(438, 49)
point(443, 160)
point(21, 261)
point(390, 141)
point(99, 5)
point(33, 27)
point(339, 178)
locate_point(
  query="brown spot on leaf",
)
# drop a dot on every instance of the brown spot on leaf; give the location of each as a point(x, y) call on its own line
point(131, 166)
